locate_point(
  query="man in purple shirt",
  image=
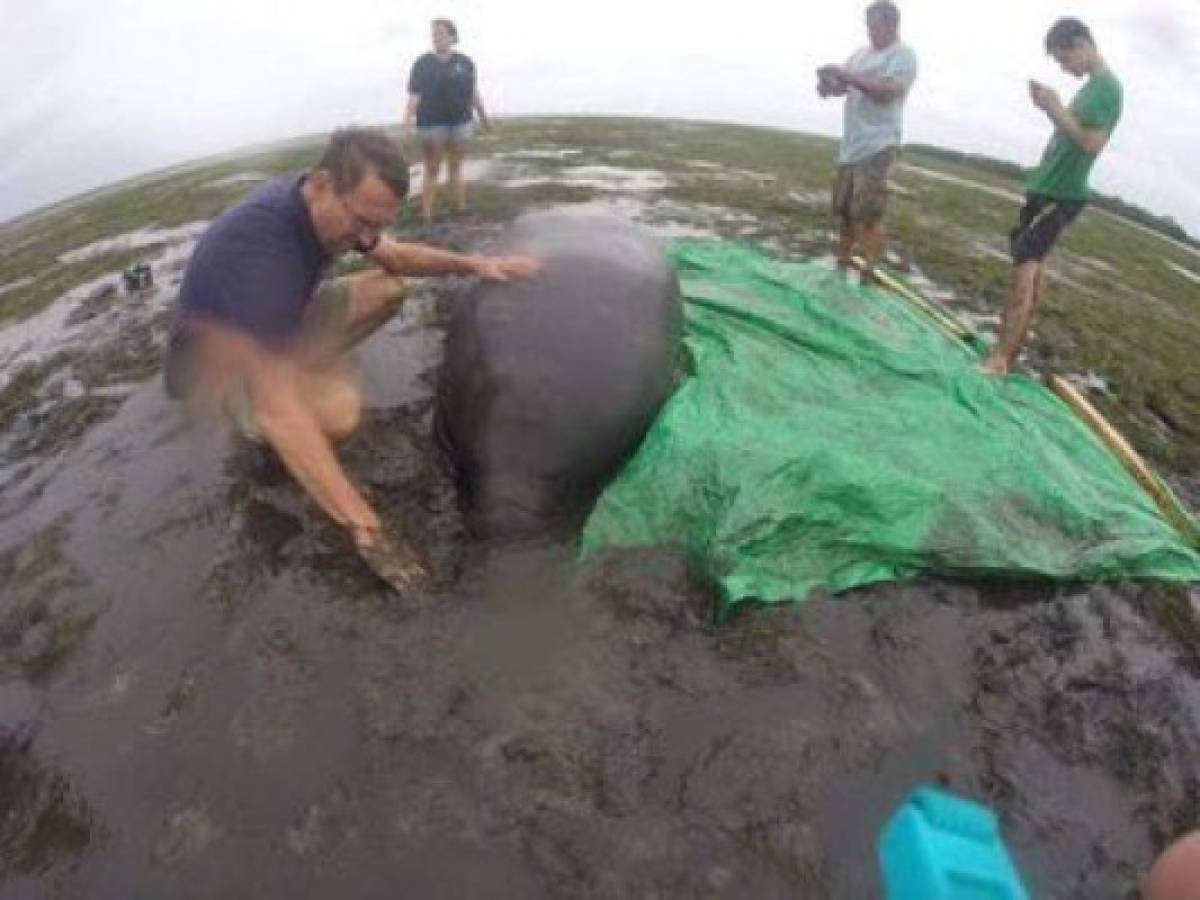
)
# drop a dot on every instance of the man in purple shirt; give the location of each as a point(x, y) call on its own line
point(260, 340)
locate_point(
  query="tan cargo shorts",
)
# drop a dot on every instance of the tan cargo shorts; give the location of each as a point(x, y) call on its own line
point(860, 190)
point(326, 327)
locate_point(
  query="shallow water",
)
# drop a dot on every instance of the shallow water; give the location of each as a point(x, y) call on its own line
point(143, 237)
point(600, 178)
point(963, 182)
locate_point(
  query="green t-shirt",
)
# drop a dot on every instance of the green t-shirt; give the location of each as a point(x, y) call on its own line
point(1063, 171)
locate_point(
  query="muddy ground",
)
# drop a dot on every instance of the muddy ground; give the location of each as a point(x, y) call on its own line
point(204, 694)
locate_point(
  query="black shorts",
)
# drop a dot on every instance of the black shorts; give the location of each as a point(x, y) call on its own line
point(1041, 221)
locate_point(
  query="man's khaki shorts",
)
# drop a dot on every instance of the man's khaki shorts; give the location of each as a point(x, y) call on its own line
point(326, 328)
point(860, 190)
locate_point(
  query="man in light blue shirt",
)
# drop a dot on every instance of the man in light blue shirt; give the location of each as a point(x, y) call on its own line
point(875, 82)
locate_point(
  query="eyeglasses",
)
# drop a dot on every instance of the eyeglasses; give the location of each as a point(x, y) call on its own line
point(361, 222)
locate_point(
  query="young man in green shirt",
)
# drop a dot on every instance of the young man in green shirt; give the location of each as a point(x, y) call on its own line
point(1057, 189)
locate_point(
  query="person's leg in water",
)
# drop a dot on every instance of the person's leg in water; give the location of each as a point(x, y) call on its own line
point(868, 205)
point(1024, 295)
point(847, 238)
point(841, 195)
point(1039, 224)
point(869, 236)
point(455, 150)
point(432, 152)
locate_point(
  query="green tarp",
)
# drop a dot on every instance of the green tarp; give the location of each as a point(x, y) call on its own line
point(832, 436)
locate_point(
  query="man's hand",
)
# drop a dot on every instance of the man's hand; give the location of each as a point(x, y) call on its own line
point(505, 268)
point(1090, 140)
point(831, 81)
point(1044, 98)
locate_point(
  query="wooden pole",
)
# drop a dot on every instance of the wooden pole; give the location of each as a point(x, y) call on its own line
point(1167, 502)
point(950, 325)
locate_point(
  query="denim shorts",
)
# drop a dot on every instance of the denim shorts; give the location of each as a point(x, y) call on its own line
point(1041, 221)
point(446, 134)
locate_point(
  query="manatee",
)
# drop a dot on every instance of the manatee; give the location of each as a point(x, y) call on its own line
point(550, 383)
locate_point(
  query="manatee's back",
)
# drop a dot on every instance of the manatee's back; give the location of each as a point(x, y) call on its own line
point(550, 382)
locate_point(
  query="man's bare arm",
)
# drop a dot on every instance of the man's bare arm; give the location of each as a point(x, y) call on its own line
point(410, 111)
point(830, 82)
point(881, 90)
point(1090, 140)
point(399, 258)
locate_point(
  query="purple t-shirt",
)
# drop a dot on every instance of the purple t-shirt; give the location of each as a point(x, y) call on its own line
point(256, 266)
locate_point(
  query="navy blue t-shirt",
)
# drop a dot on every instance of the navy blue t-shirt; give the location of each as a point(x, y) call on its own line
point(446, 88)
point(257, 266)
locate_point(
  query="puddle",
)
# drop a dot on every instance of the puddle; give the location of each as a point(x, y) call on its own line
point(58, 325)
point(982, 248)
point(733, 175)
point(984, 323)
point(238, 178)
point(1138, 226)
point(39, 334)
point(601, 178)
point(15, 285)
point(1088, 381)
point(143, 237)
point(1186, 273)
point(965, 182)
point(664, 218)
point(1054, 273)
point(809, 198)
point(473, 170)
point(928, 288)
point(540, 153)
point(1099, 264)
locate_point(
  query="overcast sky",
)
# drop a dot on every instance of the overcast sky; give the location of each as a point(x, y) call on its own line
point(96, 90)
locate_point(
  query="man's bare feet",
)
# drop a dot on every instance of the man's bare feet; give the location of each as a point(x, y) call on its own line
point(994, 365)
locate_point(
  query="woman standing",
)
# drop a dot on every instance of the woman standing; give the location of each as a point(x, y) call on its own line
point(441, 94)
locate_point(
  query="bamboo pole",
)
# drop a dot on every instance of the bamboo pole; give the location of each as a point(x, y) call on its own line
point(1167, 502)
point(947, 322)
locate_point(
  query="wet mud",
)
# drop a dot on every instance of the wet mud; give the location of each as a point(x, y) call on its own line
point(203, 693)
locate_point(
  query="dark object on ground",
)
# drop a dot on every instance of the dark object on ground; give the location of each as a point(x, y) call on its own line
point(829, 82)
point(550, 383)
point(138, 277)
point(395, 561)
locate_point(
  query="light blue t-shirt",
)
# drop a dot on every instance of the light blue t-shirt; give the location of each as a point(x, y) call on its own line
point(868, 126)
